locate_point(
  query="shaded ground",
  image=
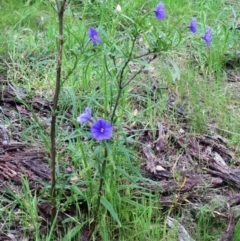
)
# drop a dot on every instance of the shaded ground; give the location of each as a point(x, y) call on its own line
point(189, 169)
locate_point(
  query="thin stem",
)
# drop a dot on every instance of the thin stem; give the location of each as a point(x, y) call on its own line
point(138, 72)
point(99, 195)
point(144, 55)
point(120, 78)
point(121, 86)
point(55, 107)
point(116, 103)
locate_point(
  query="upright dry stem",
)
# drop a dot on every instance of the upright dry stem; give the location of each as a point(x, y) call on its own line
point(60, 11)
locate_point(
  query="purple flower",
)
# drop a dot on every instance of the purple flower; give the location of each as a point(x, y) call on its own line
point(101, 130)
point(84, 117)
point(193, 25)
point(207, 37)
point(160, 11)
point(94, 36)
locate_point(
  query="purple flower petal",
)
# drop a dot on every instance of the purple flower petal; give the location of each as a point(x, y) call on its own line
point(84, 117)
point(101, 130)
point(160, 11)
point(94, 36)
point(193, 25)
point(208, 37)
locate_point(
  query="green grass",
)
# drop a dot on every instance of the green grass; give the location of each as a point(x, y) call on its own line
point(194, 74)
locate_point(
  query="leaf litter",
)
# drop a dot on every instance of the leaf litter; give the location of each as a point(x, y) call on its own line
point(188, 169)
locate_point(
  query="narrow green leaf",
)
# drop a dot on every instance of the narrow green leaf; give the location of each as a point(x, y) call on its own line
point(109, 207)
point(72, 233)
point(125, 173)
point(175, 71)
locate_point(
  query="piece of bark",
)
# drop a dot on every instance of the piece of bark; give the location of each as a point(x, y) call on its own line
point(228, 234)
point(186, 184)
point(190, 182)
point(182, 232)
point(15, 96)
point(197, 146)
point(153, 164)
point(228, 174)
point(235, 200)
point(17, 162)
point(160, 142)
